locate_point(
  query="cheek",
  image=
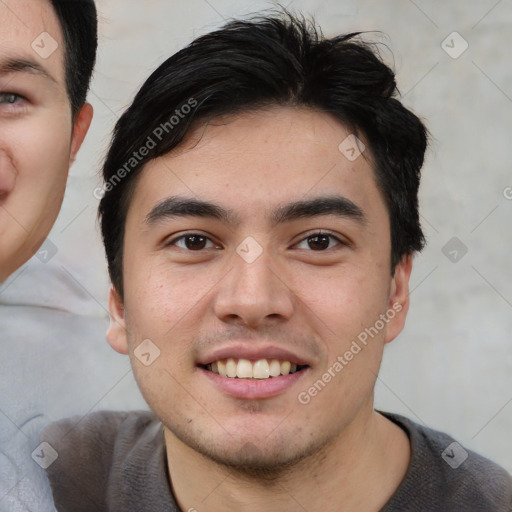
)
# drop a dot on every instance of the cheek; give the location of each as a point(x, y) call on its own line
point(43, 146)
point(162, 303)
point(162, 309)
point(346, 301)
point(40, 150)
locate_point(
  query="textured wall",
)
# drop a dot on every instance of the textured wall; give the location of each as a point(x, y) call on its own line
point(451, 368)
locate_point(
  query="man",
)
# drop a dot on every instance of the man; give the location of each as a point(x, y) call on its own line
point(260, 217)
point(47, 54)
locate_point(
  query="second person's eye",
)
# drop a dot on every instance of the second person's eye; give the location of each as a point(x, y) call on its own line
point(10, 98)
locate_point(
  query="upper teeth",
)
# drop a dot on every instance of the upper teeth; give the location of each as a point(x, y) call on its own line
point(245, 369)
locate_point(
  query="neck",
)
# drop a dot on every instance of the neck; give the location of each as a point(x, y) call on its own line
point(360, 469)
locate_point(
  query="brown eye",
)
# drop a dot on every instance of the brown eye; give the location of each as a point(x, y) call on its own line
point(319, 242)
point(195, 242)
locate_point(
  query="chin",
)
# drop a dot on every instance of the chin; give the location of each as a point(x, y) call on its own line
point(9, 263)
point(266, 464)
point(254, 457)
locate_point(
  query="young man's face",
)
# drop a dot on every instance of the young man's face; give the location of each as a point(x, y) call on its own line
point(272, 281)
point(37, 138)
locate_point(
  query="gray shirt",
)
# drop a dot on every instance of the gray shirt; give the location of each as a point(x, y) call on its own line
point(113, 461)
point(51, 341)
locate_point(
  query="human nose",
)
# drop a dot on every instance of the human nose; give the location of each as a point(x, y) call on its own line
point(253, 294)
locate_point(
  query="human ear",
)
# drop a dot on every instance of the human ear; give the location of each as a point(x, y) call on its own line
point(116, 333)
point(80, 128)
point(399, 298)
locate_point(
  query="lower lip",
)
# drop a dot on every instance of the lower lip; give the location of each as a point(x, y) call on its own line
point(254, 389)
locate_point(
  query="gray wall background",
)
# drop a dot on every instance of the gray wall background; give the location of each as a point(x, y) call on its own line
point(451, 368)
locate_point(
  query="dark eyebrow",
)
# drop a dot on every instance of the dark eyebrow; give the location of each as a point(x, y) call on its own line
point(182, 207)
point(22, 65)
point(330, 205)
point(172, 207)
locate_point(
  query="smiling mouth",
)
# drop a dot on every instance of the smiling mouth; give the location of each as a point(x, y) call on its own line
point(256, 370)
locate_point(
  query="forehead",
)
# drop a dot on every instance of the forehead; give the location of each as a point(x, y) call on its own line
point(30, 32)
point(256, 161)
